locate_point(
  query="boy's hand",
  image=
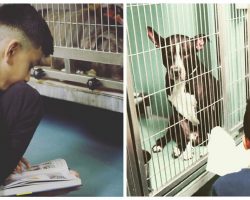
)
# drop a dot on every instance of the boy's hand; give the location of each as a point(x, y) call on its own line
point(22, 163)
point(75, 173)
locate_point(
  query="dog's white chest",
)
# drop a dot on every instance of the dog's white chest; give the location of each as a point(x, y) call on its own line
point(184, 102)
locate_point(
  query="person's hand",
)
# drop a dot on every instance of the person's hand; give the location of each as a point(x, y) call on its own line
point(21, 164)
point(75, 173)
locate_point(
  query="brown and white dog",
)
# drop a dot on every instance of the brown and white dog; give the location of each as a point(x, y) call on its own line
point(192, 91)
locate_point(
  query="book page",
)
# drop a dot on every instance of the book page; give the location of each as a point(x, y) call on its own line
point(37, 179)
point(224, 156)
point(51, 166)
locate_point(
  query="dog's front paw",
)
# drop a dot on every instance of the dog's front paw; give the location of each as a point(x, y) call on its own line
point(176, 152)
point(187, 155)
point(156, 148)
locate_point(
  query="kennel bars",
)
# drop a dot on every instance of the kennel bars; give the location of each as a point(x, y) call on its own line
point(148, 111)
point(88, 43)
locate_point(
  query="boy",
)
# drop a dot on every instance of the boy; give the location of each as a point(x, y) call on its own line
point(236, 184)
point(24, 39)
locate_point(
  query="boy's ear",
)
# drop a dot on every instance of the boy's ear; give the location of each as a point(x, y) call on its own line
point(246, 142)
point(11, 49)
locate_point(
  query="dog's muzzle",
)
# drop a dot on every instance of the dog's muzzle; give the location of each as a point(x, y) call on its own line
point(175, 73)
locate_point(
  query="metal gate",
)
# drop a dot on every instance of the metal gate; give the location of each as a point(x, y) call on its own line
point(224, 53)
point(87, 64)
point(88, 41)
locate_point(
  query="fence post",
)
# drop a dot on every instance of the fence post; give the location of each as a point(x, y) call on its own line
point(223, 60)
point(134, 141)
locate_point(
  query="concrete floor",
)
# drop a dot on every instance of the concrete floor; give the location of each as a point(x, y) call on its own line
point(89, 139)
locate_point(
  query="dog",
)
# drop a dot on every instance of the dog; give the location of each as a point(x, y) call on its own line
point(193, 92)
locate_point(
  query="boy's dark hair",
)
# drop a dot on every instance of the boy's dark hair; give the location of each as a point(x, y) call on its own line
point(246, 122)
point(25, 18)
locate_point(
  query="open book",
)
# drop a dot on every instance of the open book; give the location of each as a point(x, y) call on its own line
point(224, 156)
point(45, 176)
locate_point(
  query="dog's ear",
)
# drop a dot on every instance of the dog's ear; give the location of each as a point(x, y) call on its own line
point(154, 37)
point(200, 41)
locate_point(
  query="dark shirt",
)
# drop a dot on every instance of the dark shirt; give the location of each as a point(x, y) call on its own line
point(234, 184)
point(20, 113)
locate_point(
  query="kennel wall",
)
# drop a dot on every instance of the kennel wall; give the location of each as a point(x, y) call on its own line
point(88, 43)
point(226, 57)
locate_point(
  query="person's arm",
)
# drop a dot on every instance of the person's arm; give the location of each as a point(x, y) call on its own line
point(21, 111)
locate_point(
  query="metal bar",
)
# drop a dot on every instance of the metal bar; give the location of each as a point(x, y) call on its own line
point(215, 89)
point(136, 133)
point(217, 47)
point(65, 29)
point(234, 75)
point(167, 103)
point(67, 65)
point(178, 25)
point(133, 176)
point(243, 82)
point(170, 106)
point(108, 27)
point(59, 27)
point(247, 51)
point(205, 8)
point(194, 21)
point(163, 98)
point(155, 82)
point(236, 127)
point(95, 23)
point(140, 78)
point(77, 28)
point(89, 25)
point(229, 60)
point(202, 104)
point(222, 43)
point(83, 26)
point(53, 74)
point(116, 39)
point(88, 55)
point(70, 26)
point(59, 90)
point(148, 116)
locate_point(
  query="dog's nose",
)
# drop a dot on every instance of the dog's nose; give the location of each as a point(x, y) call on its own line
point(176, 72)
